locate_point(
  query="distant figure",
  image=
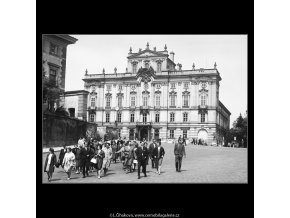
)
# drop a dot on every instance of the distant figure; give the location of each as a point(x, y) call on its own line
point(179, 151)
point(49, 164)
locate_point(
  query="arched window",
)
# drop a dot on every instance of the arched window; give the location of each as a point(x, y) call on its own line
point(147, 65)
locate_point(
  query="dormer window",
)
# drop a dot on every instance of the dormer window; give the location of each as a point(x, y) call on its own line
point(134, 68)
point(158, 67)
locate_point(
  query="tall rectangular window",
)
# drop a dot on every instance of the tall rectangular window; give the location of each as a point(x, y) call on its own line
point(108, 101)
point(171, 117)
point(144, 118)
point(107, 117)
point(157, 100)
point(203, 100)
point(147, 65)
point(92, 117)
point(132, 118)
point(172, 85)
point(186, 85)
point(145, 100)
point(120, 87)
point(119, 117)
point(185, 117)
point(157, 116)
point(185, 100)
point(171, 134)
point(172, 100)
point(134, 68)
point(202, 117)
point(133, 101)
point(185, 134)
point(109, 87)
point(93, 103)
point(119, 101)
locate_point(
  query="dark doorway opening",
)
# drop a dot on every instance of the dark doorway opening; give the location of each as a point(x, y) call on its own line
point(71, 112)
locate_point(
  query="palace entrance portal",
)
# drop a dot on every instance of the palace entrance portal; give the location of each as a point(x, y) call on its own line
point(144, 131)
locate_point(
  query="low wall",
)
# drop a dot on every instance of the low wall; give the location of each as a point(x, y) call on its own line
point(59, 130)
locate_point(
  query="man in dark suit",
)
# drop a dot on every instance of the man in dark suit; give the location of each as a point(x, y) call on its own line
point(142, 157)
point(61, 155)
point(85, 155)
point(158, 154)
point(179, 151)
point(152, 146)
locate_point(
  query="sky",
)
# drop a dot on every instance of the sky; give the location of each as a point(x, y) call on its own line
point(95, 52)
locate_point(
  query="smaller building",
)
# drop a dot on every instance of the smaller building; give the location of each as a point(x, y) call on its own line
point(75, 102)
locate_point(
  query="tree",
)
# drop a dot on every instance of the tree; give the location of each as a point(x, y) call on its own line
point(240, 130)
point(61, 111)
point(51, 92)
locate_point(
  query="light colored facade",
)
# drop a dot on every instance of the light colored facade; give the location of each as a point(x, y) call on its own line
point(75, 102)
point(156, 99)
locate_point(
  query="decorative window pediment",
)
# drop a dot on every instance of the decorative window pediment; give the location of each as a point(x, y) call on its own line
point(108, 95)
point(146, 92)
point(186, 93)
point(172, 93)
point(120, 94)
point(158, 92)
point(133, 93)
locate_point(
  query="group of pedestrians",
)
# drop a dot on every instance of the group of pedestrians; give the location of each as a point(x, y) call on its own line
point(90, 155)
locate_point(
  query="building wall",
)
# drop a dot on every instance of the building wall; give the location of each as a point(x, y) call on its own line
point(199, 82)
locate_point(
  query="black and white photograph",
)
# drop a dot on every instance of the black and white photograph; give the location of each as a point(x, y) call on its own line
point(144, 109)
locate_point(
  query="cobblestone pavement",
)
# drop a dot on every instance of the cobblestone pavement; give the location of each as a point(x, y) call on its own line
point(203, 164)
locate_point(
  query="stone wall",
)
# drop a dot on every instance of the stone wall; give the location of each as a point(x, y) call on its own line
point(59, 130)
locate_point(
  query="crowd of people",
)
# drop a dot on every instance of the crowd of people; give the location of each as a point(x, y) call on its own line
point(90, 155)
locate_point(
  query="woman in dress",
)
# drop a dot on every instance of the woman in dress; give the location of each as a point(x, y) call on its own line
point(107, 159)
point(50, 163)
point(99, 155)
point(68, 162)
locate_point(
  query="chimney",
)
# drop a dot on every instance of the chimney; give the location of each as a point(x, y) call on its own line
point(172, 56)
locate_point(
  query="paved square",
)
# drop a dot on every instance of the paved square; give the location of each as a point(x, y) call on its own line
point(203, 164)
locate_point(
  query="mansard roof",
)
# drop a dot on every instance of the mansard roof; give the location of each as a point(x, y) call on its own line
point(149, 53)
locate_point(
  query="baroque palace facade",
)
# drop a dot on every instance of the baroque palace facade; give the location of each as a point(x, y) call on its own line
point(155, 98)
